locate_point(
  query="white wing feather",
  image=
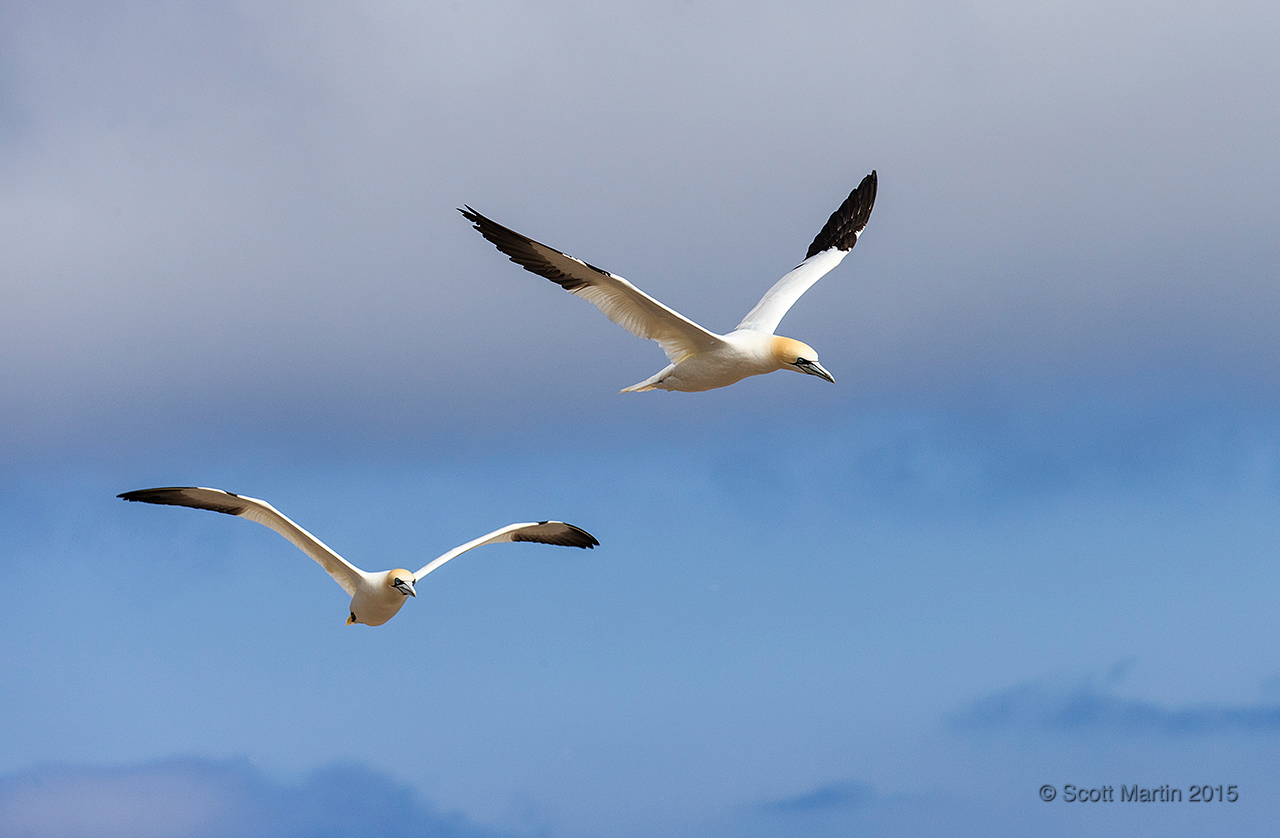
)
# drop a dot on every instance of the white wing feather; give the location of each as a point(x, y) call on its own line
point(343, 572)
point(779, 299)
point(542, 532)
point(834, 241)
point(618, 299)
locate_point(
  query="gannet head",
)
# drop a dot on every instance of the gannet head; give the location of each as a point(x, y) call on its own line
point(792, 354)
point(401, 581)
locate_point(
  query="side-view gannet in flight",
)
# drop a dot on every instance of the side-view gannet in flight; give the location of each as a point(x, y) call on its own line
point(700, 359)
point(375, 597)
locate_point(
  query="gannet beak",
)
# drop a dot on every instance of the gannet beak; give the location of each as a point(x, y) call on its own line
point(814, 368)
point(404, 587)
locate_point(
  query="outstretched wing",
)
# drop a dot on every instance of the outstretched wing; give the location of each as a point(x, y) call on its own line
point(216, 500)
point(621, 302)
point(831, 245)
point(543, 532)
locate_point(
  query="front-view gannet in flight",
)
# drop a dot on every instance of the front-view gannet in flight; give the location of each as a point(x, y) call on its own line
point(375, 597)
point(700, 360)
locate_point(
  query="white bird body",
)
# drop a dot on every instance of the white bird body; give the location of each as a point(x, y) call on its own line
point(741, 353)
point(700, 359)
point(375, 597)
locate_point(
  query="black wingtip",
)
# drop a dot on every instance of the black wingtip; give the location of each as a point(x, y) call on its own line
point(177, 496)
point(578, 537)
point(571, 536)
point(842, 228)
point(591, 542)
point(523, 250)
point(137, 494)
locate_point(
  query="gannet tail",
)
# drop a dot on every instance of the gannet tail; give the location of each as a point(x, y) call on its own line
point(650, 383)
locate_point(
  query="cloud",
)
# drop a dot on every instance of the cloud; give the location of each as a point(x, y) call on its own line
point(849, 807)
point(958, 461)
point(842, 795)
point(1087, 707)
point(218, 214)
point(841, 807)
point(192, 798)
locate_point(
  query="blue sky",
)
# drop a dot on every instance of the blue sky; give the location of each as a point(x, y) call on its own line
point(1026, 538)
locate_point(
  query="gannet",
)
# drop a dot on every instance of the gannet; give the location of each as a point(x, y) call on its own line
point(375, 597)
point(700, 359)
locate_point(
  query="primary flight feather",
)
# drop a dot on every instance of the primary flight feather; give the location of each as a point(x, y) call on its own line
point(375, 597)
point(700, 359)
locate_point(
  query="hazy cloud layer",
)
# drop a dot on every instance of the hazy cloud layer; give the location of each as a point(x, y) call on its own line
point(833, 796)
point(1089, 707)
point(214, 211)
point(192, 798)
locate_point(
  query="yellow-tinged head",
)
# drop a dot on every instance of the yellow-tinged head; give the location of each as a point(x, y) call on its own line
point(401, 581)
point(798, 356)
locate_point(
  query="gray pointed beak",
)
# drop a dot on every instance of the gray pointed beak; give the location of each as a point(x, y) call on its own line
point(814, 368)
point(405, 588)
